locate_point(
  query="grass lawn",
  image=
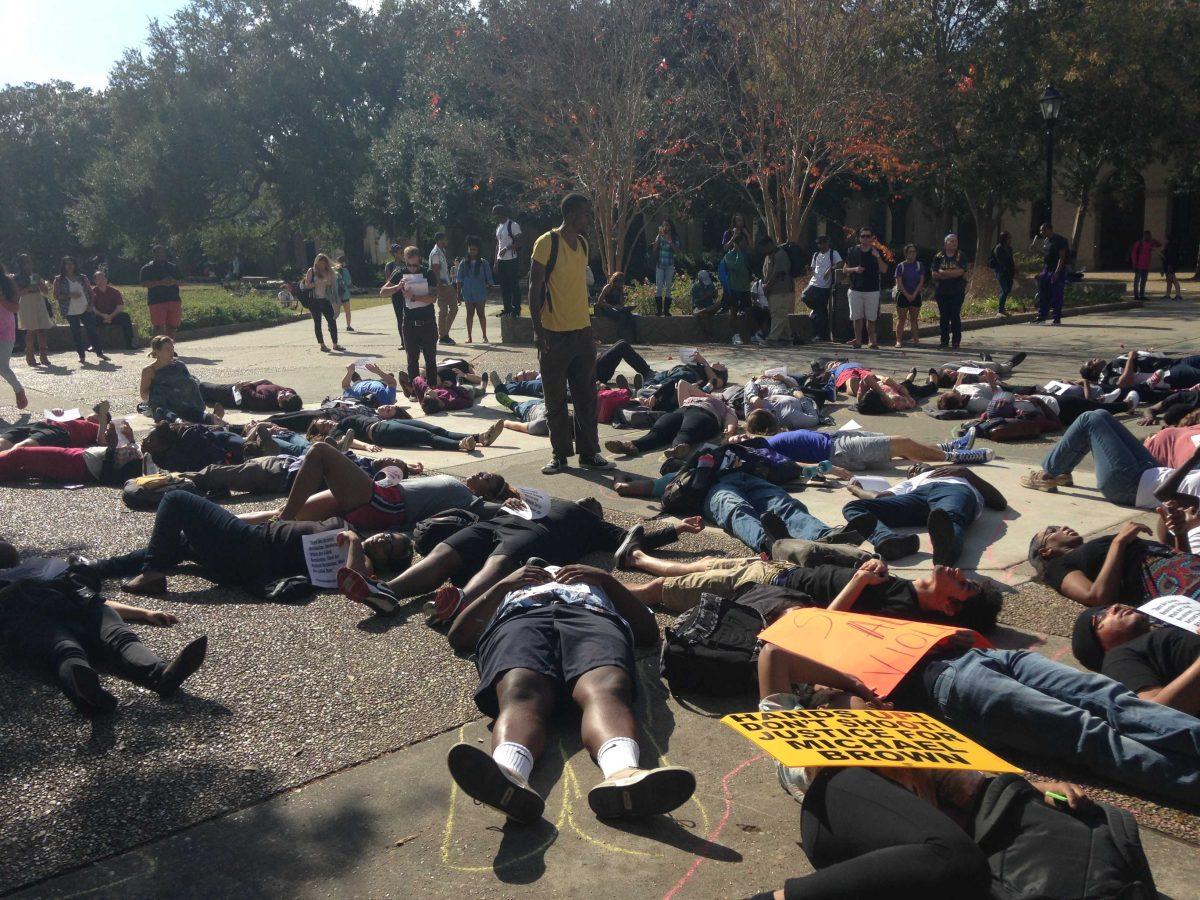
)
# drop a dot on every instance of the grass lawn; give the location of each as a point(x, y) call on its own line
point(206, 305)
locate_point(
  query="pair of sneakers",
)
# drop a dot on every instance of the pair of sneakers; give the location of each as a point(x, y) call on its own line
point(631, 793)
point(961, 451)
point(558, 464)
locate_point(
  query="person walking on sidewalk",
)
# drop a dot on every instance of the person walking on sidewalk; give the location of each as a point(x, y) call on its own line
point(562, 328)
point(1052, 282)
point(1141, 255)
point(508, 249)
point(447, 296)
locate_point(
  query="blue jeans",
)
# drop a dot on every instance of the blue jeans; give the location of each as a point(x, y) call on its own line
point(1005, 282)
point(1022, 701)
point(913, 509)
point(1120, 457)
point(1050, 295)
point(532, 388)
point(1185, 373)
point(738, 499)
point(664, 278)
point(291, 443)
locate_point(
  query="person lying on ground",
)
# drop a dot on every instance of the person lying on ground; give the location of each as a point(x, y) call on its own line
point(371, 392)
point(864, 830)
point(530, 413)
point(252, 396)
point(1173, 408)
point(1061, 407)
point(184, 446)
point(526, 383)
point(230, 551)
point(636, 486)
point(945, 500)
point(699, 417)
point(1173, 446)
point(375, 503)
point(1121, 567)
point(452, 371)
point(876, 396)
point(1145, 372)
point(857, 450)
point(45, 433)
point(52, 613)
point(792, 407)
point(658, 391)
point(516, 630)
point(337, 410)
point(169, 391)
point(944, 596)
point(445, 396)
point(1021, 702)
point(1127, 472)
point(112, 464)
point(470, 562)
point(1159, 663)
point(395, 433)
point(275, 474)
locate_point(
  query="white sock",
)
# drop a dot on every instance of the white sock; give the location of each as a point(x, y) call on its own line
point(616, 754)
point(514, 757)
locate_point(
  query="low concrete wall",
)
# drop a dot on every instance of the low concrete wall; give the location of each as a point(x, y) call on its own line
point(59, 337)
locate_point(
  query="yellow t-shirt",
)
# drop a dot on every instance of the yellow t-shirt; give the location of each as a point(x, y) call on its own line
point(567, 307)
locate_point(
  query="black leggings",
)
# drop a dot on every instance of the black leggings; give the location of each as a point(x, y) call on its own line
point(318, 307)
point(921, 391)
point(621, 351)
point(870, 838)
point(420, 340)
point(65, 643)
point(686, 425)
point(83, 323)
point(1071, 408)
point(393, 433)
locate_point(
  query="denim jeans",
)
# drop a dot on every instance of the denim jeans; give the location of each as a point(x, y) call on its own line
point(1005, 283)
point(1140, 277)
point(531, 388)
point(523, 408)
point(1022, 701)
point(913, 509)
point(291, 443)
point(737, 500)
point(1120, 457)
point(664, 278)
point(1050, 295)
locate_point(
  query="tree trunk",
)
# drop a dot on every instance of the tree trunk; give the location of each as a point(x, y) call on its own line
point(1085, 199)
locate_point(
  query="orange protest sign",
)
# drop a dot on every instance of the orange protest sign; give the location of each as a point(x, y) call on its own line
point(878, 651)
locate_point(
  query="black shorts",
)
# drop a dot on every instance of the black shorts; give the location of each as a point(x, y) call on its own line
point(46, 434)
point(737, 301)
point(903, 302)
point(505, 536)
point(559, 641)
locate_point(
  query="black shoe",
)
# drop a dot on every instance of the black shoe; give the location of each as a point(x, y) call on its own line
point(483, 779)
point(898, 547)
point(555, 466)
point(638, 381)
point(595, 461)
point(182, 667)
point(449, 340)
point(622, 382)
point(90, 697)
point(864, 523)
point(633, 541)
point(774, 526)
point(1016, 359)
point(843, 535)
point(943, 538)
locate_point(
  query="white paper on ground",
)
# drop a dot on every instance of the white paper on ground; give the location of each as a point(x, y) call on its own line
point(1177, 610)
point(323, 557)
point(969, 370)
point(876, 483)
point(67, 415)
point(778, 370)
point(535, 504)
point(688, 355)
point(237, 396)
point(852, 425)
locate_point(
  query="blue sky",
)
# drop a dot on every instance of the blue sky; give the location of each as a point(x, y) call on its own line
point(75, 40)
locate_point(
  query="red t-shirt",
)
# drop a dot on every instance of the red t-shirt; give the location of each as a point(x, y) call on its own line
point(106, 301)
point(82, 432)
point(1173, 446)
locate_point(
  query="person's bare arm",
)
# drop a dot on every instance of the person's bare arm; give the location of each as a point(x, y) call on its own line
point(1125, 382)
point(685, 390)
point(464, 633)
point(147, 380)
point(630, 608)
point(1106, 589)
point(348, 378)
point(1183, 692)
point(537, 285)
point(871, 572)
point(138, 614)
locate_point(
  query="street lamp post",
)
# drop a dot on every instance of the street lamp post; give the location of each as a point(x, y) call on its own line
point(1051, 106)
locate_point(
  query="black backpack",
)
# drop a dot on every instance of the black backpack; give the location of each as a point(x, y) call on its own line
point(432, 531)
point(147, 491)
point(712, 649)
point(1037, 851)
point(795, 258)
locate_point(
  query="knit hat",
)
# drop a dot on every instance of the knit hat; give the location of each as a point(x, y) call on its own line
point(1084, 642)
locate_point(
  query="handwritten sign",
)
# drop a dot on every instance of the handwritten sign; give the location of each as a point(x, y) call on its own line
point(323, 557)
point(1183, 612)
point(863, 737)
point(878, 651)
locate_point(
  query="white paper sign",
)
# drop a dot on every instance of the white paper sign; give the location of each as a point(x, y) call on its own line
point(417, 285)
point(1178, 610)
point(876, 483)
point(778, 370)
point(535, 504)
point(323, 557)
point(969, 370)
point(688, 355)
point(852, 425)
point(66, 415)
point(237, 396)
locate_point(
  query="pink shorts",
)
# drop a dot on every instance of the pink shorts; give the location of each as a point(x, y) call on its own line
point(384, 511)
point(168, 314)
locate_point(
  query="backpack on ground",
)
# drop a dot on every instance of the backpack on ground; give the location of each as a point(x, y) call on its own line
point(712, 649)
point(637, 416)
point(609, 401)
point(146, 491)
point(432, 531)
point(795, 258)
point(1037, 851)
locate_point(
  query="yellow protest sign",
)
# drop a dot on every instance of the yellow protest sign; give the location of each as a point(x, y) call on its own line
point(863, 737)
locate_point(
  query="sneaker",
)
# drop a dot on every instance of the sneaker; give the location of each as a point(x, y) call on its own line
point(448, 602)
point(506, 401)
point(596, 461)
point(622, 382)
point(486, 781)
point(368, 591)
point(467, 444)
point(971, 457)
point(449, 340)
point(898, 547)
point(756, 339)
point(487, 438)
point(555, 466)
point(1016, 359)
point(843, 534)
point(793, 780)
point(1110, 397)
point(494, 378)
point(774, 526)
point(149, 466)
point(1040, 481)
point(966, 442)
point(943, 538)
point(633, 541)
point(635, 793)
point(737, 340)
point(1132, 400)
point(638, 381)
point(182, 667)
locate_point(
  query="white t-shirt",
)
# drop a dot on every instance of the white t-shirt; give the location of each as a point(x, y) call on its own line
point(78, 303)
point(978, 396)
point(437, 257)
point(505, 241)
point(911, 484)
point(1155, 476)
point(822, 266)
point(760, 296)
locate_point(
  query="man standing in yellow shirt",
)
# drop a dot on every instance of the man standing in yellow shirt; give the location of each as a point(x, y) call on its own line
point(562, 328)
